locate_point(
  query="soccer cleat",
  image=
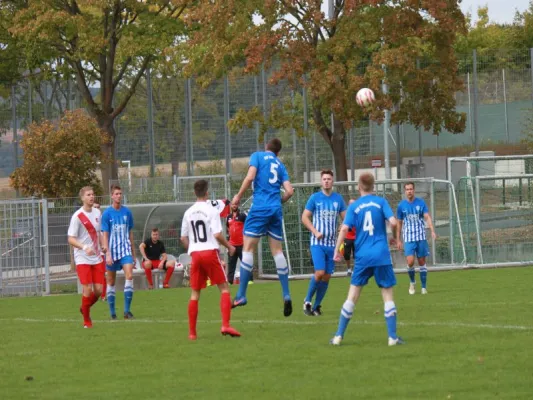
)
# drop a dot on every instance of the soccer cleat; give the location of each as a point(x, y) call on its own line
point(396, 342)
point(128, 315)
point(287, 307)
point(114, 317)
point(250, 283)
point(317, 311)
point(308, 309)
point(166, 286)
point(228, 330)
point(424, 291)
point(87, 324)
point(336, 340)
point(239, 302)
point(411, 288)
point(349, 272)
point(192, 336)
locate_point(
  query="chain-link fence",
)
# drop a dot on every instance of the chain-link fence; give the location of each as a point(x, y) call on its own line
point(191, 135)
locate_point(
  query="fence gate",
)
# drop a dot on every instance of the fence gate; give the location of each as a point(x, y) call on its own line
point(23, 248)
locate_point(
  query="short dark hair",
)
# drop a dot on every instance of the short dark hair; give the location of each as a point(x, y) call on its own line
point(200, 188)
point(366, 181)
point(155, 229)
point(274, 145)
point(114, 187)
point(326, 172)
point(409, 183)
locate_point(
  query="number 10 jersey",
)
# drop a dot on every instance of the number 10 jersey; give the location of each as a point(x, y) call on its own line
point(200, 223)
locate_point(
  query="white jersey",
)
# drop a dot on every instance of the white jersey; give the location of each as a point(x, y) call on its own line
point(85, 227)
point(200, 223)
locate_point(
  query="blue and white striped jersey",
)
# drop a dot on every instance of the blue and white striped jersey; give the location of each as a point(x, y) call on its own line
point(412, 215)
point(326, 211)
point(118, 223)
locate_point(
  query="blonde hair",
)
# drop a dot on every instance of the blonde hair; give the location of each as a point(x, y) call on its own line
point(84, 190)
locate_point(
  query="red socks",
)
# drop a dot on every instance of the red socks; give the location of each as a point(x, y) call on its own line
point(86, 303)
point(193, 316)
point(225, 308)
point(148, 273)
point(168, 275)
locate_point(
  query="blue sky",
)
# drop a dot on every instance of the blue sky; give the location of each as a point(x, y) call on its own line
point(499, 10)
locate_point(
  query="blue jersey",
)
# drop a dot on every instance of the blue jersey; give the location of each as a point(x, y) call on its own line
point(270, 176)
point(118, 223)
point(325, 210)
point(368, 215)
point(412, 215)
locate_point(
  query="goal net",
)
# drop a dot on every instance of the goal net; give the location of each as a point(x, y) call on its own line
point(447, 250)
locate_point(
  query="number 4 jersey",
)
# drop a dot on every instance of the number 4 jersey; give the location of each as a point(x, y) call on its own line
point(369, 215)
point(200, 223)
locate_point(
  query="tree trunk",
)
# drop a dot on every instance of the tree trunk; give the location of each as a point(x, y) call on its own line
point(338, 147)
point(110, 168)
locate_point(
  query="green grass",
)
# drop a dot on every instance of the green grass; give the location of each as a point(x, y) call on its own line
point(470, 338)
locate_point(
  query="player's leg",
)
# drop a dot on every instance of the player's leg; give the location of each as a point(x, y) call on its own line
point(232, 265)
point(147, 265)
point(111, 276)
point(422, 252)
point(348, 250)
point(386, 280)
point(319, 265)
point(246, 270)
point(127, 266)
point(323, 283)
point(104, 285)
point(359, 279)
point(85, 276)
point(198, 279)
point(169, 266)
point(409, 252)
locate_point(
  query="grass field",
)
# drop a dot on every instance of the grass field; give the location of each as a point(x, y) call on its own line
point(471, 337)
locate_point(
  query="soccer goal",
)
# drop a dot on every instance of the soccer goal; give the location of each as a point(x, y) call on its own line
point(447, 251)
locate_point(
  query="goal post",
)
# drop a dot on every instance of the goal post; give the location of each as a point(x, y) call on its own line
point(447, 251)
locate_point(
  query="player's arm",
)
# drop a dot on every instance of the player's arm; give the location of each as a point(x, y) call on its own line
point(142, 249)
point(340, 241)
point(306, 220)
point(246, 183)
point(73, 241)
point(163, 256)
point(216, 228)
point(289, 191)
point(429, 223)
point(393, 223)
point(108, 258)
point(184, 239)
point(103, 245)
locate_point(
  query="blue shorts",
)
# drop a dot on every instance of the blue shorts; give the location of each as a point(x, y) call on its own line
point(419, 248)
point(117, 265)
point(266, 221)
point(323, 258)
point(384, 276)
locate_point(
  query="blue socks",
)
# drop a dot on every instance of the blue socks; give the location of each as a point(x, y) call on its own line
point(390, 318)
point(283, 274)
point(423, 275)
point(111, 299)
point(247, 267)
point(311, 291)
point(411, 273)
point(345, 317)
point(128, 295)
point(322, 287)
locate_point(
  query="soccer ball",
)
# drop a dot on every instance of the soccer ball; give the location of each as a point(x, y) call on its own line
point(365, 97)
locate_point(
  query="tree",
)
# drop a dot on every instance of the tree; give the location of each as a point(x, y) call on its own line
point(336, 57)
point(109, 43)
point(60, 159)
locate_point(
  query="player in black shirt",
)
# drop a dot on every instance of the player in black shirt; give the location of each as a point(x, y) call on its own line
point(155, 257)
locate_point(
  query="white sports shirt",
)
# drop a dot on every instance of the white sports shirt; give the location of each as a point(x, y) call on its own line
point(87, 232)
point(200, 223)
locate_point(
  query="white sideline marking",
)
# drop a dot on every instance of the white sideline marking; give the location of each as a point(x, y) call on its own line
point(453, 324)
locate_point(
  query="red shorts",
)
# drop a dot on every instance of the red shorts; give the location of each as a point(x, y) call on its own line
point(206, 265)
point(155, 263)
point(90, 274)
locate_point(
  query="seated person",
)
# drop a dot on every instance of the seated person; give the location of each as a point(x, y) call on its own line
point(155, 257)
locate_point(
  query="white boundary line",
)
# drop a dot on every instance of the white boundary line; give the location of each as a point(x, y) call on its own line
point(451, 324)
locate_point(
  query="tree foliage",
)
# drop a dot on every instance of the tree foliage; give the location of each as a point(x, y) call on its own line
point(335, 57)
point(103, 42)
point(61, 158)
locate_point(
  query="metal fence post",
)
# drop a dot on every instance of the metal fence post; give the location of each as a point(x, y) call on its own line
point(44, 245)
point(264, 91)
point(150, 121)
point(306, 132)
point(227, 138)
point(476, 125)
point(505, 107)
point(256, 103)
